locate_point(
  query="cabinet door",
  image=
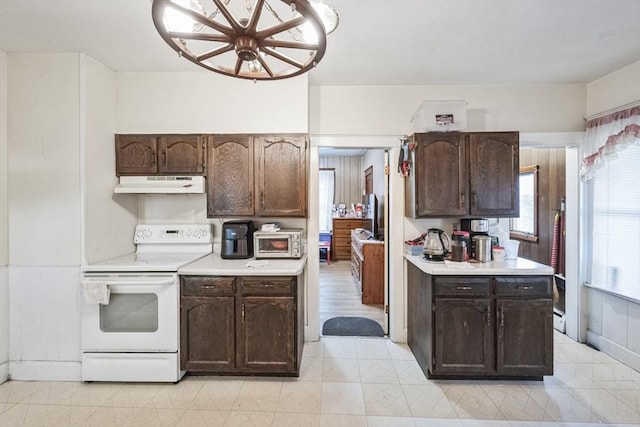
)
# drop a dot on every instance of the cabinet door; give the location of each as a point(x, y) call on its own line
point(494, 174)
point(207, 333)
point(136, 155)
point(282, 176)
point(267, 334)
point(181, 154)
point(440, 175)
point(230, 176)
point(525, 336)
point(463, 336)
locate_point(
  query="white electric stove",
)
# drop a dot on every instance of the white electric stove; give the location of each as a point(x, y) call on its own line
point(131, 308)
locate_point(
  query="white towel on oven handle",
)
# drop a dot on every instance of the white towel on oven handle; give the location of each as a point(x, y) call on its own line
point(96, 292)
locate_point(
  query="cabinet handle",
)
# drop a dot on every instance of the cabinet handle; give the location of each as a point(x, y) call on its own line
point(242, 313)
point(207, 286)
point(164, 158)
point(475, 200)
point(501, 314)
point(463, 288)
point(489, 316)
point(462, 200)
point(153, 159)
point(524, 288)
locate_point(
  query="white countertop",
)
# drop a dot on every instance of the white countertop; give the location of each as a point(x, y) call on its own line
point(214, 265)
point(510, 267)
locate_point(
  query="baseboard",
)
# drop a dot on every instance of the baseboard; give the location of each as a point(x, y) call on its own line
point(618, 352)
point(45, 371)
point(4, 371)
point(399, 336)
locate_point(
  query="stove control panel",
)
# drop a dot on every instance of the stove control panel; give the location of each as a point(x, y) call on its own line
point(173, 233)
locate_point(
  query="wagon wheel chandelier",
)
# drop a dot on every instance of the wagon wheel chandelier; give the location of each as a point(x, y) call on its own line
point(248, 39)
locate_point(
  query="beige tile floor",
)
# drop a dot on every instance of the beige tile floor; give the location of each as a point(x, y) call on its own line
point(344, 382)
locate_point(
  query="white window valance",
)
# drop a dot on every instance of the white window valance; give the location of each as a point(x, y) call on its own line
point(606, 136)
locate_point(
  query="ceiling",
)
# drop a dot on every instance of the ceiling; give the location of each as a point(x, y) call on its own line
point(378, 42)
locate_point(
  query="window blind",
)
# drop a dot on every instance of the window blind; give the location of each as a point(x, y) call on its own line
point(615, 240)
point(326, 189)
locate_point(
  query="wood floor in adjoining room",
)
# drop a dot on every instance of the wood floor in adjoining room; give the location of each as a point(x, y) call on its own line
point(340, 296)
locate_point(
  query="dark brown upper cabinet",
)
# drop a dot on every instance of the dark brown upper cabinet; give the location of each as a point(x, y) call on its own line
point(282, 175)
point(230, 176)
point(160, 155)
point(257, 175)
point(463, 174)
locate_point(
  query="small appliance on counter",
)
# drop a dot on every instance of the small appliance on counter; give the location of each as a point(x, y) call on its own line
point(482, 246)
point(285, 243)
point(237, 240)
point(475, 227)
point(460, 245)
point(435, 248)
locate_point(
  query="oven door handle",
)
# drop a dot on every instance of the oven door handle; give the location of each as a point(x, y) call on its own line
point(112, 282)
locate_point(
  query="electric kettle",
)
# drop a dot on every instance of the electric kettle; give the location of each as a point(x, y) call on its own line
point(436, 245)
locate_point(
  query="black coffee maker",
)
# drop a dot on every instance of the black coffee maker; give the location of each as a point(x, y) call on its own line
point(237, 240)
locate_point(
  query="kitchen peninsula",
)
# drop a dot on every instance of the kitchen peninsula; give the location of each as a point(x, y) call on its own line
point(242, 316)
point(481, 320)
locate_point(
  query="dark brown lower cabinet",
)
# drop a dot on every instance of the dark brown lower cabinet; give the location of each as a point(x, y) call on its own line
point(241, 325)
point(463, 338)
point(480, 326)
point(268, 341)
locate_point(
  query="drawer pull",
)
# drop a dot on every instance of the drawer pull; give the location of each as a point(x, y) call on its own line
point(525, 288)
point(208, 287)
point(463, 288)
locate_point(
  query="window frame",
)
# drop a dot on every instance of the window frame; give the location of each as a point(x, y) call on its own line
point(521, 234)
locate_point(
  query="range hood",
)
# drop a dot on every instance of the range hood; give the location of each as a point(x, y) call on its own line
point(161, 185)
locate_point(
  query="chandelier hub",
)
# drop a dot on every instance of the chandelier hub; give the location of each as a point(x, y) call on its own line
point(247, 48)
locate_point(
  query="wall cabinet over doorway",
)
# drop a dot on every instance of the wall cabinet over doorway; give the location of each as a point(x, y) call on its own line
point(257, 175)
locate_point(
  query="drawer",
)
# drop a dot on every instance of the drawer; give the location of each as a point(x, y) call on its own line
point(268, 285)
point(342, 252)
point(342, 234)
point(207, 285)
point(538, 286)
point(348, 224)
point(463, 286)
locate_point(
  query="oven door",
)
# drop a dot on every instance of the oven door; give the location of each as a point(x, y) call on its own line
point(273, 246)
point(142, 314)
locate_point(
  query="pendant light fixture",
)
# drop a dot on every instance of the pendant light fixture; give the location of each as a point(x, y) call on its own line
point(248, 39)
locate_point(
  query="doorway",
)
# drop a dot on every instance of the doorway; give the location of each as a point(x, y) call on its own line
point(356, 173)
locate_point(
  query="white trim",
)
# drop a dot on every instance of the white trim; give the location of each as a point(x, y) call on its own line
point(622, 354)
point(45, 371)
point(613, 110)
point(4, 371)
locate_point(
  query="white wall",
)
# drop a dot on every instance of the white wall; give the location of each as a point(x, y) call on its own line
point(613, 323)
point(201, 101)
point(44, 196)
point(4, 229)
point(109, 219)
point(387, 110)
point(615, 89)
point(44, 148)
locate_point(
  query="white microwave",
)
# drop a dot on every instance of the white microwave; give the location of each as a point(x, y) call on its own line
point(286, 243)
